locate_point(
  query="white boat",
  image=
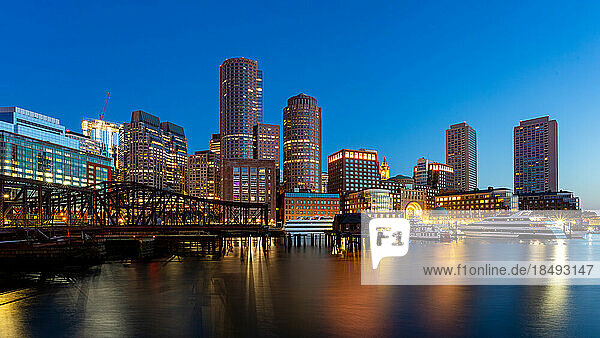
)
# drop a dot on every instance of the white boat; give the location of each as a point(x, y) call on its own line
point(422, 231)
point(309, 225)
point(521, 225)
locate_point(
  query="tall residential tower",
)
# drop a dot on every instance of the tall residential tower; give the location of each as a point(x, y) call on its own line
point(153, 152)
point(215, 144)
point(536, 156)
point(302, 144)
point(204, 179)
point(266, 143)
point(461, 155)
point(241, 106)
point(433, 175)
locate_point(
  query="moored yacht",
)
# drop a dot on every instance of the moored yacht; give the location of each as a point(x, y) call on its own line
point(422, 231)
point(521, 225)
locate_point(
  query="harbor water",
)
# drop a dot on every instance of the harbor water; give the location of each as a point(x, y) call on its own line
point(287, 290)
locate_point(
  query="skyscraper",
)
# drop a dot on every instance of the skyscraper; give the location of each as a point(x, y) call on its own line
point(266, 143)
point(204, 174)
point(432, 178)
point(324, 181)
point(461, 155)
point(302, 144)
point(153, 153)
point(353, 170)
point(536, 156)
point(433, 175)
point(249, 149)
point(241, 106)
point(107, 133)
point(215, 144)
point(250, 180)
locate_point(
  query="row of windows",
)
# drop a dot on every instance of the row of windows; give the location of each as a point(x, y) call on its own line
point(312, 202)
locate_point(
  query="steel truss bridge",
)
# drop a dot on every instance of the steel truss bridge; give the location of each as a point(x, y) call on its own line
point(30, 203)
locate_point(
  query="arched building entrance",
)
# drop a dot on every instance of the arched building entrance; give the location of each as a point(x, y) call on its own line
point(413, 209)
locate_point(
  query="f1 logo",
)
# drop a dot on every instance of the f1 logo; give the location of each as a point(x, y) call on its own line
point(389, 237)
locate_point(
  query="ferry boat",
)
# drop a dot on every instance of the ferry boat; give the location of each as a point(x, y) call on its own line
point(309, 225)
point(520, 225)
point(422, 231)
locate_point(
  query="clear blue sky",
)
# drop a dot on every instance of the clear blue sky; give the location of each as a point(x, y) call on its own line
point(389, 75)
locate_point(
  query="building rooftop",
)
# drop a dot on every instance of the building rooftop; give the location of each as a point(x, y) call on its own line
point(142, 116)
point(311, 195)
point(534, 120)
point(173, 128)
point(458, 125)
point(399, 177)
point(369, 190)
point(29, 113)
point(472, 192)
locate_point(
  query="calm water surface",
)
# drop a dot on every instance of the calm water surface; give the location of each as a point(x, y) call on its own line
point(297, 291)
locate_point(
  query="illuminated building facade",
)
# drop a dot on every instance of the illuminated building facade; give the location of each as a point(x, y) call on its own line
point(266, 143)
point(461, 155)
point(153, 152)
point(31, 158)
point(250, 180)
point(368, 200)
point(536, 156)
point(410, 199)
point(204, 178)
point(106, 134)
point(35, 125)
point(241, 106)
point(490, 199)
point(405, 195)
point(430, 194)
point(384, 170)
point(433, 175)
point(37, 147)
point(324, 181)
point(86, 143)
point(302, 155)
point(557, 200)
point(215, 144)
point(352, 170)
point(296, 205)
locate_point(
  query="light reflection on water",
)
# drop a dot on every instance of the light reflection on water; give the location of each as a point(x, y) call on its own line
point(289, 291)
point(12, 314)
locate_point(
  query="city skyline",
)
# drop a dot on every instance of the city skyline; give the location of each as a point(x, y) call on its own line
point(303, 168)
point(464, 85)
point(513, 187)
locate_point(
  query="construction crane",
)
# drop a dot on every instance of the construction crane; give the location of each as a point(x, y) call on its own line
point(104, 110)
